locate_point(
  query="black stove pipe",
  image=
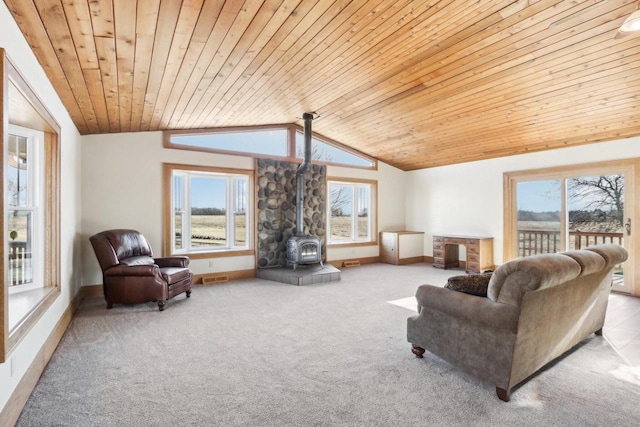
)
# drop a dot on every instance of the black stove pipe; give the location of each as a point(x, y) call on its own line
point(304, 166)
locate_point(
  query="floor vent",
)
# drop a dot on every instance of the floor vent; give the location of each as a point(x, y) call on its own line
point(351, 264)
point(213, 279)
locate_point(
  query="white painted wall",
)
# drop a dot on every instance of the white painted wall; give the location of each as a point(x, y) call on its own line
point(17, 49)
point(122, 188)
point(467, 198)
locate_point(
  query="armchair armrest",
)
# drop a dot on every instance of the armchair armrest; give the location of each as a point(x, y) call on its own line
point(133, 270)
point(172, 261)
point(471, 308)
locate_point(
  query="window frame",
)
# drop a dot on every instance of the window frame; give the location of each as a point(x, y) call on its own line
point(291, 129)
point(334, 144)
point(168, 211)
point(28, 111)
point(372, 215)
point(34, 203)
point(511, 179)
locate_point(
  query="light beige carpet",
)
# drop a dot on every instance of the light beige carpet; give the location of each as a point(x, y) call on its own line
point(261, 353)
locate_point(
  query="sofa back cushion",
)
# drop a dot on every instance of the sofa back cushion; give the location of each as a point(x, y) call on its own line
point(590, 262)
point(512, 279)
point(612, 254)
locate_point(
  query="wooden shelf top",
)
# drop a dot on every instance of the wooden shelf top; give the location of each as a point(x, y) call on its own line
point(404, 232)
point(458, 236)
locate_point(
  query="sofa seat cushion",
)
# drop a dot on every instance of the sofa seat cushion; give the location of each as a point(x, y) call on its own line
point(174, 274)
point(474, 284)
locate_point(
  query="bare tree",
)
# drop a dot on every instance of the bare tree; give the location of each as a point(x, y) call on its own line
point(339, 197)
point(600, 193)
point(317, 152)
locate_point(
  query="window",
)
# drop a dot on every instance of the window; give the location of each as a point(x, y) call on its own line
point(209, 210)
point(271, 141)
point(329, 153)
point(352, 211)
point(24, 200)
point(572, 207)
point(31, 209)
point(266, 142)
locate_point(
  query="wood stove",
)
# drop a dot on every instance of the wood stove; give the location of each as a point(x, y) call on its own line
point(303, 249)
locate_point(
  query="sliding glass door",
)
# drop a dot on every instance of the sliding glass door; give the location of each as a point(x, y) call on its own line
point(558, 210)
point(539, 226)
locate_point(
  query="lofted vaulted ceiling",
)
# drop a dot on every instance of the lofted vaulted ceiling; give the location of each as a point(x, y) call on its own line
point(414, 83)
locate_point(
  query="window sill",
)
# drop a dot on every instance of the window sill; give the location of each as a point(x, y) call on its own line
point(351, 244)
point(26, 312)
point(22, 302)
point(217, 254)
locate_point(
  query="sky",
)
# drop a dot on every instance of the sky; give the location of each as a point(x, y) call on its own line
point(207, 193)
point(266, 141)
point(539, 196)
point(543, 196)
point(211, 193)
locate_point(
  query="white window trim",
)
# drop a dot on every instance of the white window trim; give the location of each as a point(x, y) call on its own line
point(35, 203)
point(188, 174)
point(371, 212)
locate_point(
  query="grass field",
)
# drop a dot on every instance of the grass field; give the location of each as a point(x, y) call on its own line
point(341, 228)
point(19, 225)
point(211, 229)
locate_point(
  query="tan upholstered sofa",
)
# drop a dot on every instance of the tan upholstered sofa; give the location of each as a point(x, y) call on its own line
point(536, 309)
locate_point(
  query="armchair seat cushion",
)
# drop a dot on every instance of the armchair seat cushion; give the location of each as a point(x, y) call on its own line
point(137, 260)
point(175, 274)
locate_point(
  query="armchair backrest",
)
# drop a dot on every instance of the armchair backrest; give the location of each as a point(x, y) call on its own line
point(114, 246)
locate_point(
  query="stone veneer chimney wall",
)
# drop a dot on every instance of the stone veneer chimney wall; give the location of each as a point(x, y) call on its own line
point(276, 210)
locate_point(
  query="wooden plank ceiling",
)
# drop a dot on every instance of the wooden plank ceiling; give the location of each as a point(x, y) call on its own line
point(414, 83)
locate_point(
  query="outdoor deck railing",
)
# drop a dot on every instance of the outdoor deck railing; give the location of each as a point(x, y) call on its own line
point(531, 242)
point(19, 264)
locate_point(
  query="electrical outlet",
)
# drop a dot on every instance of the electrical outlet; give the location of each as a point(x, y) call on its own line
point(211, 263)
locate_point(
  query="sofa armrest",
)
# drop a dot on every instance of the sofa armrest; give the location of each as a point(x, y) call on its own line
point(133, 270)
point(172, 261)
point(478, 310)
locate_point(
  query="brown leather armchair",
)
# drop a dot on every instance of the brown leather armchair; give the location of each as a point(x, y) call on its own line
point(131, 275)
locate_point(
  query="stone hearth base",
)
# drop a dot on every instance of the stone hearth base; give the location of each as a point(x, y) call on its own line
point(304, 274)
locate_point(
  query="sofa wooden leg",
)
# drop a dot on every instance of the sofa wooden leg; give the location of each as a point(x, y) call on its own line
point(162, 304)
point(598, 332)
point(504, 395)
point(418, 351)
point(109, 305)
point(188, 293)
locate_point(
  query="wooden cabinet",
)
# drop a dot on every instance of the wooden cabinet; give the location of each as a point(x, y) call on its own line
point(401, 247)
point(479, 252)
